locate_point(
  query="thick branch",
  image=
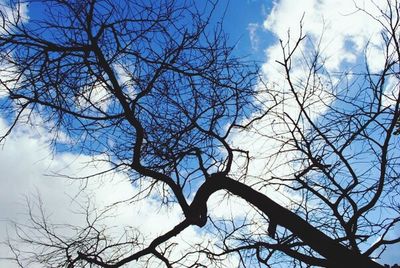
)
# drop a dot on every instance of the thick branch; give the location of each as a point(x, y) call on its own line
point(336, 254)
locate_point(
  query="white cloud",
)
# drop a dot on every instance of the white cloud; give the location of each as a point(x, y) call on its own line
point(391, 92)
point(126, 78)
point(10, 14)
point(254, 38)
point(334, 24)
point(8, 75)
point(27, 162)
point(27, 157)
point(342, 34)
point(94, 96)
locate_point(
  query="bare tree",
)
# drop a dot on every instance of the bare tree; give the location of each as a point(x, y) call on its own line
point(336, 132)
point(159, 82)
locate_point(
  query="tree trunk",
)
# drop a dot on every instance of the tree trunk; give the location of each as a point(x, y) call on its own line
point(335, 253)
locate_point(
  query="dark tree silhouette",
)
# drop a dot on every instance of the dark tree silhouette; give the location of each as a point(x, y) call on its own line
point(170, 119)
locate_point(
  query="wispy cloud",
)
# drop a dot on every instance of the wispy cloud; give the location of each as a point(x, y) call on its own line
point(254, 38)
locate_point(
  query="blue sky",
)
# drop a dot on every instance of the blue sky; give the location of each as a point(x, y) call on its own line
point(241, 17)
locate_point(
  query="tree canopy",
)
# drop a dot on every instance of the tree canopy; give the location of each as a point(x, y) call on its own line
point(155, 88)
